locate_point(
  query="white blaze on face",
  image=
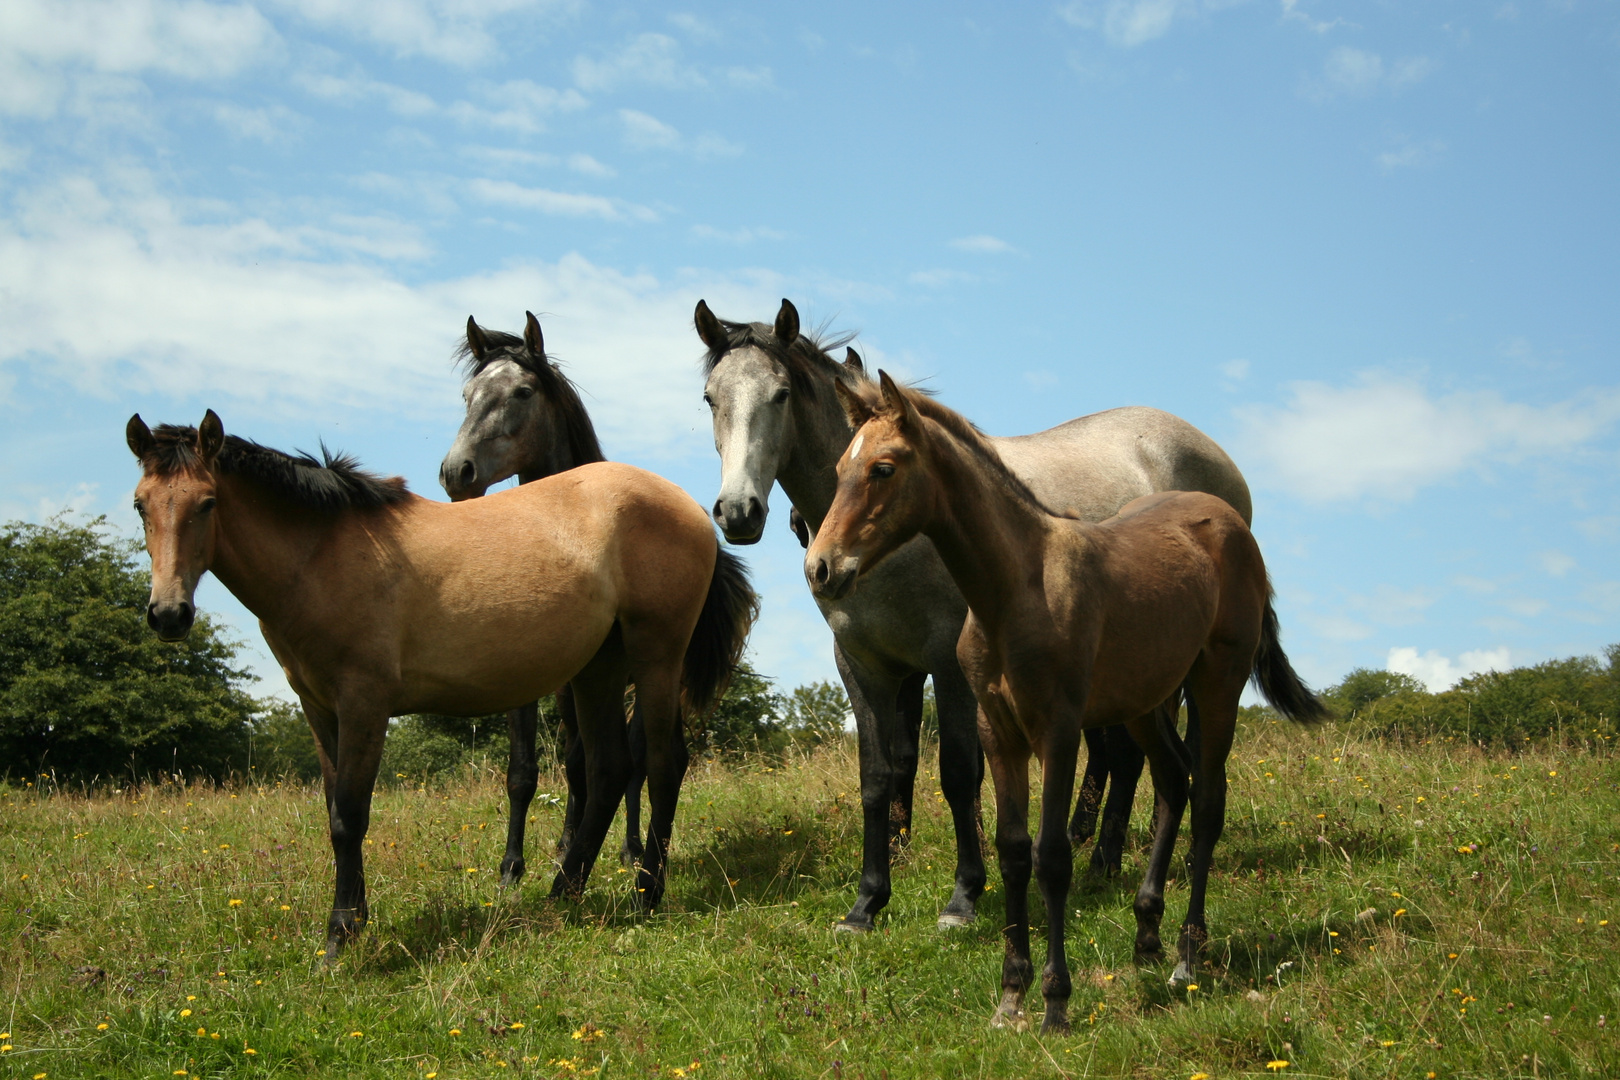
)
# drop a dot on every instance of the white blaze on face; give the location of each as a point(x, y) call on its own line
point(855, 450)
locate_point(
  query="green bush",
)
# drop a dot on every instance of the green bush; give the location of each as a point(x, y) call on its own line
point(86, 689)
point(745, 722)
point(816, 714)
point(1575, 699)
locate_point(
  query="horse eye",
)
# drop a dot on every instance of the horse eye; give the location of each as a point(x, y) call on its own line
point(882, 471)
point(709, 401)
point(523, 393)
point(206, 505)
point(781, 396)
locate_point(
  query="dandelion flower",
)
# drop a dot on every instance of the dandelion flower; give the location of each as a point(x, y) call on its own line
point(185, 1013)
point(1199, 1076)
point(357, 1034)
point(432, 1076)
point(286, 907)
point(1191, 987)
point(191, 997)
point(455, 1031)
point(235, 903)
point(6, 1046)
point(516, 1025)
point(1387, 1043)
point(1399, 912)
point(102, 1027)
point(201, 1032)
point(181, 1072)
point(250, 1051)
point(1277, 1066)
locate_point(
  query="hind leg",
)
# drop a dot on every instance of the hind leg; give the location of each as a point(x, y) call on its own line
point(961, 770)
point(1170, 802)
point(631, 853)
point(872, 696)
point(909, 706)
point(573, 752)
point(599, 701)
point(666, 761)
point(1125, 762)
point(1008, 757)
point(522, 777)
point(1054, 863)
point(1092, 785)
point(1216, 705)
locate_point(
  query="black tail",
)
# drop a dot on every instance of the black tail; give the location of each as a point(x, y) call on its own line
point(722, 629)
point(1276, 677)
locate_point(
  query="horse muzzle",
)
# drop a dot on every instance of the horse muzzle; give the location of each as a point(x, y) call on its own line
point(172, 621)
point(831, 577)
point(459, 478)
point(741, 520)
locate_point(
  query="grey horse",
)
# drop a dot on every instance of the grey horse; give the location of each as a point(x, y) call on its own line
point(777, 420)
point(525, 419)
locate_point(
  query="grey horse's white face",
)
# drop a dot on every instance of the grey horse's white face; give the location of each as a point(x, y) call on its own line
point(751, 398)
point(506, 420)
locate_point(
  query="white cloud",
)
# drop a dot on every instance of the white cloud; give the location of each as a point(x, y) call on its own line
point(1386, 438)
point(1438, 672)
point(50, 47)
point(644, 132)
point(589, 166)
point(453, 31)
point(1410, 155)
point(1127, 23)
point(1235, 369)
point(983, 244)
point(271, 124)
point(648, 59)
point(1356, 72)
point(560, 203)
point(126, 295)
point(1291, 12)
point(736, 236)
point(518, 105)
point(1556, 563)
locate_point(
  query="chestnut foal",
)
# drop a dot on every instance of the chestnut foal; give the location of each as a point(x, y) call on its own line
point(1071, 625)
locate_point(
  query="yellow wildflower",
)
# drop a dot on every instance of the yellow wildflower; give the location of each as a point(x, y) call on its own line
point(1276, 1066)
point(102, 1027)
point(236, 903)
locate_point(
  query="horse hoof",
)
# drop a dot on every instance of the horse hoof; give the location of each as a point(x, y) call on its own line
point(845, 926)
point(950, 920)
point(1010, 1021)
point(1055, 1025)
point(1182, 976)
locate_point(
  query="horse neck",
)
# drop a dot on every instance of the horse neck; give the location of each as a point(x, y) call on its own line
point(988, 536)
point(264, 546)
point(822, 434)
point(569, 448)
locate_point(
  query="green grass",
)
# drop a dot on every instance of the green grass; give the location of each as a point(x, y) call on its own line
point(1352, 937)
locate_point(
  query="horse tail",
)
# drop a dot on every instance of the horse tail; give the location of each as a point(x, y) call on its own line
point(722, 629)
point(1276, 677)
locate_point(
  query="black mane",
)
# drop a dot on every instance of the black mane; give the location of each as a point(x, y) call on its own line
point(558, 388)
point(336, 482)
point(804, 357)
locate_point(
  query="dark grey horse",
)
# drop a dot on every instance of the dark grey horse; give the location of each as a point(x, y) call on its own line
point(525, 419)
point(777, 420)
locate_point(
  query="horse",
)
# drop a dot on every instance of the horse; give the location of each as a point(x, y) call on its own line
point(1071, 625)
point(525, 419)
point(777, 420)
point(377, 603)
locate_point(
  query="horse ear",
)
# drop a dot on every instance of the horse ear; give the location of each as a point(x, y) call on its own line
point(787, 323)
point(532, 337)
point(852, 360)
point(476, 341)
point(709, 328)
point(897, 403)
point(139, 437)
point(210, 437)
point(856, 409)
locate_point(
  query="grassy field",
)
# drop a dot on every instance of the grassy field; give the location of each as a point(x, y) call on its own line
point(1376, 911)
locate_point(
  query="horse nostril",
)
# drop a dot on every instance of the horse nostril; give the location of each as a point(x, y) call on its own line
point(719, 510)
point(151, 616)
point(822, 572)
point(754, 509)
point(467, 473)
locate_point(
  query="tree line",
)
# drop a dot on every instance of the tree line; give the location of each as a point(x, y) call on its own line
point(88, 692)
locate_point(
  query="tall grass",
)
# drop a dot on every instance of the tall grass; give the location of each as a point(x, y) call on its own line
point(1377, 911)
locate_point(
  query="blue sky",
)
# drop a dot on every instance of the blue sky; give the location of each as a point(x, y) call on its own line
point(1371, 248)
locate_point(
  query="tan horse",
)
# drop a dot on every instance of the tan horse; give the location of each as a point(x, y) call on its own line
point(1071, 625)
point(379, 603)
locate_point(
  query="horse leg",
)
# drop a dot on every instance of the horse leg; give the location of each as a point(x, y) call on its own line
point(360, 734)
point(961, 767)
point(909, 707)
point(665, 766)
point(1054, 863)
point(522, 777)
point(573, 766)
point(599, 704)
point(1124, 764)
point(1170, 801)
point(1009, 772)
point(1084, 822)
point(872, 697)
point(1208, 817)
point(632, 851)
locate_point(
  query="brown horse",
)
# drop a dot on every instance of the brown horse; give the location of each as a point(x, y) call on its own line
point(379, 603)
point(1071, 625)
